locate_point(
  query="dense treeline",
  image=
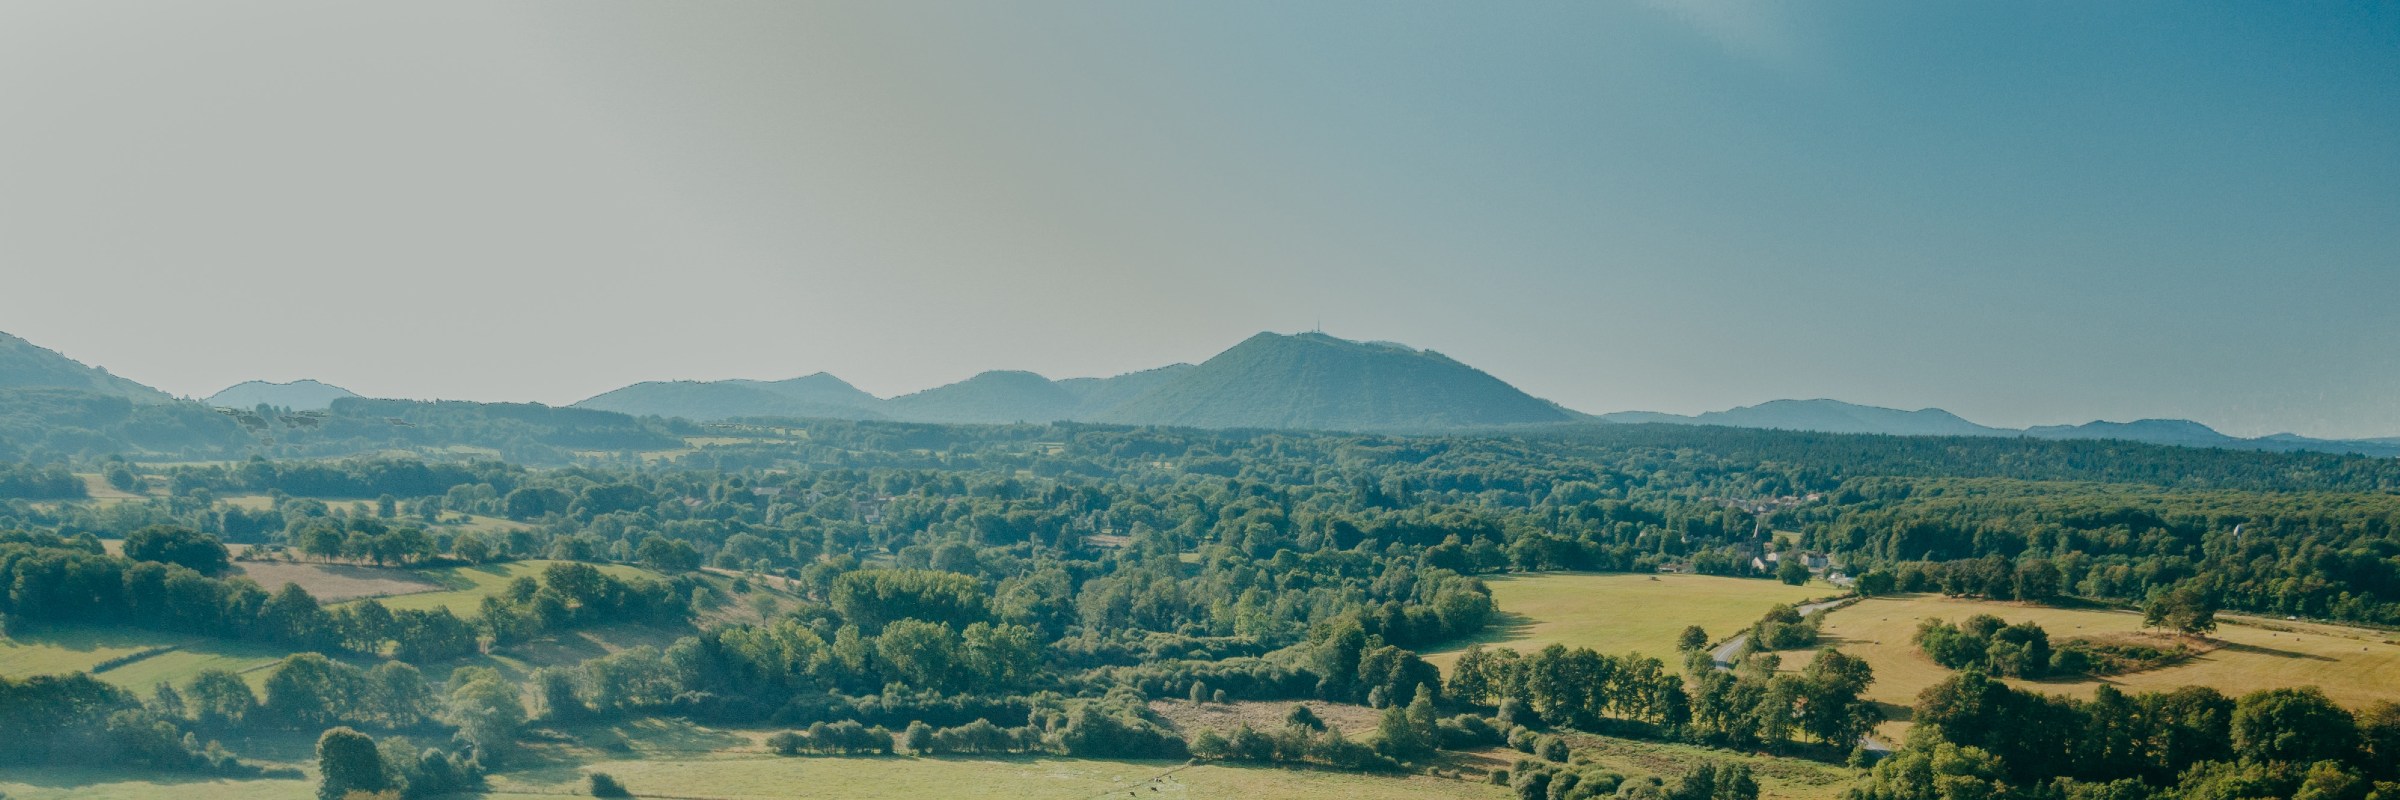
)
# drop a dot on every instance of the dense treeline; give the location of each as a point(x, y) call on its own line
point(1615, 498)
point(1833, 457)
point(1033, 585)
point(2319, 555)
point(41, 423)
point(29, 482)
point(1976, 737)
point(80, 720)
point(56, 580)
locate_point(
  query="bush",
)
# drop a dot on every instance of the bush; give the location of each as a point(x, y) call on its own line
point(785, 743)
point(1466, 731)
point(606, 785)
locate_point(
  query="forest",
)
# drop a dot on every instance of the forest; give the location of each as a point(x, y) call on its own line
point(1016, 588)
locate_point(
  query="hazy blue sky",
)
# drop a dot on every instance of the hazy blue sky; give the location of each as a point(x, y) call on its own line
point(2026, 213)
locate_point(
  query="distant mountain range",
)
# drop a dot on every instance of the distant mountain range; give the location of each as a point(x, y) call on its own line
point(300, 395)
point(1269, 381)
point(1307, 380)
point(1834, 416)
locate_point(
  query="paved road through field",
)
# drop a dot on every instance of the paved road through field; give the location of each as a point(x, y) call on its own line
point(1724, 654)
point(1724, 657)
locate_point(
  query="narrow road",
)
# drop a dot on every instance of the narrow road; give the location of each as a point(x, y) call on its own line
point(1724, 657)
point(1724, 654)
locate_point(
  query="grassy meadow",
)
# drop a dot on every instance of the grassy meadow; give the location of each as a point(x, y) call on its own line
point(2354, 666)
point(57, 783)
point(1622, 612)
point(59, 649)
point(896, 777)
point(1777, 778)
point(465, 587)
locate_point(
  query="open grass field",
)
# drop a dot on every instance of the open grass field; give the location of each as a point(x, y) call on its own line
point(2354, 666)
point(97, 486)
point(1778, 778)
point(52, 783)
point(61, 649)
point(868, 778)
point(465, 587)
point(1622, 612)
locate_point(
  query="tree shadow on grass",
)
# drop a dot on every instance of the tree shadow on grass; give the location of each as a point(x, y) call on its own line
point(650, 739)
point(90, 638)
point(2269, 651)
point(667, 737)
point(78, 777)
point(1503, 626)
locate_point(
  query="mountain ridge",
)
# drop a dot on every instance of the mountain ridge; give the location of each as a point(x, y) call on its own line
point(24, 364)
point(1312, 380)
point(1269, 380)
point(1834, 416)
point(300, 395)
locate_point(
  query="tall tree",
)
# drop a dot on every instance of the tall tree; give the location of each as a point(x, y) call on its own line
point(348, 762)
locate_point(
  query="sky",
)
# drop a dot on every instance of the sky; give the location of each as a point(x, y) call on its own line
point(2025, 213)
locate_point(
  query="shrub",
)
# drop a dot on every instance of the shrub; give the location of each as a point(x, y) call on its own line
point(606, 785)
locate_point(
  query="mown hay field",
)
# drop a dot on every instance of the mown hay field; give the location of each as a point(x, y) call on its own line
point(1622, 612)
point(333, 583)
point(2354, 666)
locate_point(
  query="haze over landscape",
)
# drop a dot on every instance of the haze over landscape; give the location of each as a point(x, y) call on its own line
point(2040, 216)
point(1064, 399)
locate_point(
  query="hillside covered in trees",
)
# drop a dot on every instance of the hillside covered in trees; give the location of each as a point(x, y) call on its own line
point(1045, 581)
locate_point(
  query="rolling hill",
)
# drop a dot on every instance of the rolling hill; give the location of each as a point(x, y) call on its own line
point(821, 389)
point(1311, 380)
point(1834, 416)
point(1308, 380)
point(999, 396)
point(27, 365)
point(1094, 395)
point(1825, 416)
point(300, 395)
point(710, 400)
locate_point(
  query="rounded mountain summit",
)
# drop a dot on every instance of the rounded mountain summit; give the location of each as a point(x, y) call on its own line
point(1306, 380)
point(1315, 381)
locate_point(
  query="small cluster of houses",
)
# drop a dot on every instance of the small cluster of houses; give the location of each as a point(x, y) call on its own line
point(1818, 564)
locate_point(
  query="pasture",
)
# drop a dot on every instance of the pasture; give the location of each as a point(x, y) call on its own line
point(731, 775)
point(59, 783)
point(1622, 612)
point(2354, 666)
point(465, 587)
point(1778, 778)
point(59, 649)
